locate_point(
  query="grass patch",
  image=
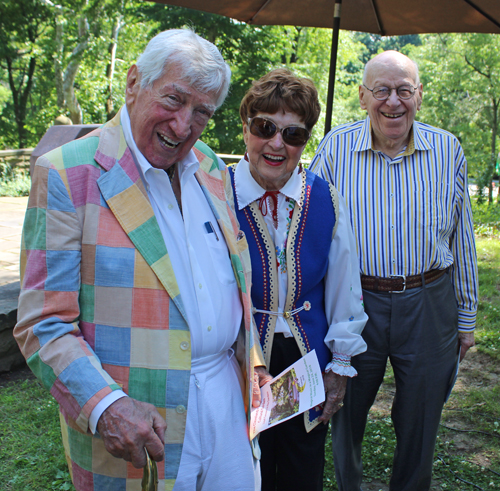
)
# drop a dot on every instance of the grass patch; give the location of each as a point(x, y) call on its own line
point(488, 314)
point(377, 454)
point(31, 451)
point(467, 454)
point(486, 218)
point(467, 451)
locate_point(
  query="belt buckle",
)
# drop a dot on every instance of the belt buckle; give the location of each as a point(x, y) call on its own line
point(404, 282)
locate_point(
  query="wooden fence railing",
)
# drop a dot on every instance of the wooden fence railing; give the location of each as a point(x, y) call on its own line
point(22, 157)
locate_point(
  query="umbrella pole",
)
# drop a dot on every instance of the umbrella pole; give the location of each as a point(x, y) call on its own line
point(333, 65)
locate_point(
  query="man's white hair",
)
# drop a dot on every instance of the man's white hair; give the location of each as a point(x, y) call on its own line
point(200, 61)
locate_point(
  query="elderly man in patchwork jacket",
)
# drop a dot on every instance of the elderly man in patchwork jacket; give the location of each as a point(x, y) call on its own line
point(135, 305)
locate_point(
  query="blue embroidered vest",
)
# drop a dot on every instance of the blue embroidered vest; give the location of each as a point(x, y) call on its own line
point(308, 245)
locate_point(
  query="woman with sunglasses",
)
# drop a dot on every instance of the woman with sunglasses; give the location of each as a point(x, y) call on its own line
point(306, 290)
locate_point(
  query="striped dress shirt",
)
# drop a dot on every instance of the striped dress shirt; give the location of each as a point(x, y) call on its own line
point(409, 214)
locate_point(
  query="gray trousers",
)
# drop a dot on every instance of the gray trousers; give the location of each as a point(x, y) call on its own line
point(417, 331)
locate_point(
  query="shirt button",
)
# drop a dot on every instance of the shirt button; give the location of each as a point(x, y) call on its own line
point(392, 195)
point(200, 286)
point(184, 345)
point(180, 409)
point(392, 227)
point(209, 328)
point(170, 206)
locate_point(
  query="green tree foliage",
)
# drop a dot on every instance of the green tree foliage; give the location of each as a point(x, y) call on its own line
point(374, 44)
point(307, 53)
point(119, 31)
point(87, 46)
point(461, 77)
point(22, 23)
point(95, 42)
point(69, 58)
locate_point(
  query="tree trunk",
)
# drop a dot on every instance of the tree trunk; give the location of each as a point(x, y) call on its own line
point(72, 104)
point(110, 105)
point(493, 148)
point(58, 58)
point(20, 97)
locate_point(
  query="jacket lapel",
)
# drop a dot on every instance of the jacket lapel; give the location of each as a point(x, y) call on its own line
point(122, 189)
point(216, 186)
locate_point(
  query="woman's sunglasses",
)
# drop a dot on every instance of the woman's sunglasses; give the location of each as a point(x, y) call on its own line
point(296, 136)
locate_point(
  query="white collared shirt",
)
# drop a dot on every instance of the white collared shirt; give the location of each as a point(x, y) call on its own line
point(200, 259)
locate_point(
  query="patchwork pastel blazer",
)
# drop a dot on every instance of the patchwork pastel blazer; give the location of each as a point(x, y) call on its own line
point(100, 307)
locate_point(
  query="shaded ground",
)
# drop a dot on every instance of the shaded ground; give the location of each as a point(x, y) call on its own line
point(477, 370)
point(22, 373)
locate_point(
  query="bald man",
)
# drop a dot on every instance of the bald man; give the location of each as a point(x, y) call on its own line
point(405, 185)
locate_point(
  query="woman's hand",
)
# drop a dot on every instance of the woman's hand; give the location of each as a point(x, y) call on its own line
point(335, 386)
point(260, 377)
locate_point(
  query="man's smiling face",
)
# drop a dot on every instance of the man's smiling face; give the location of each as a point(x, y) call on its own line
point(393, 118)
point(167, 118)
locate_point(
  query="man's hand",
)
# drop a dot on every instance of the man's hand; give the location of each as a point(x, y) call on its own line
point(466, 340)
point(260, 377)
point(127, 426)
point(335, 386)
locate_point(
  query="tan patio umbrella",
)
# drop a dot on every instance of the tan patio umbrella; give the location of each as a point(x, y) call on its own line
point(384, 17)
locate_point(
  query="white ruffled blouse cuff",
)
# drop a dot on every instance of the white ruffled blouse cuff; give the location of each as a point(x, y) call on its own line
point(341, 365)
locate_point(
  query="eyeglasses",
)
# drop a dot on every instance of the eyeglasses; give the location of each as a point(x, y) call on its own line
point(381, 93)
point(296, 136)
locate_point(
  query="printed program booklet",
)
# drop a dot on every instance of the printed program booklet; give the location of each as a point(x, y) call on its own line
point(295, 390)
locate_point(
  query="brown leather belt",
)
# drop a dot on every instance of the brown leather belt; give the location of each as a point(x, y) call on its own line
point(399, 283)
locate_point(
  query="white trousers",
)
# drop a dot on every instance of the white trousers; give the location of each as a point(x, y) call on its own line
point(216, 455)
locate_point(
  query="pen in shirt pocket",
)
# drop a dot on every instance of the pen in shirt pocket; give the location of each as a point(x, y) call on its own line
point(211, 229)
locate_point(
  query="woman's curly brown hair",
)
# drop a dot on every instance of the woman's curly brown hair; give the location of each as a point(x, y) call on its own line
point(281, 90)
